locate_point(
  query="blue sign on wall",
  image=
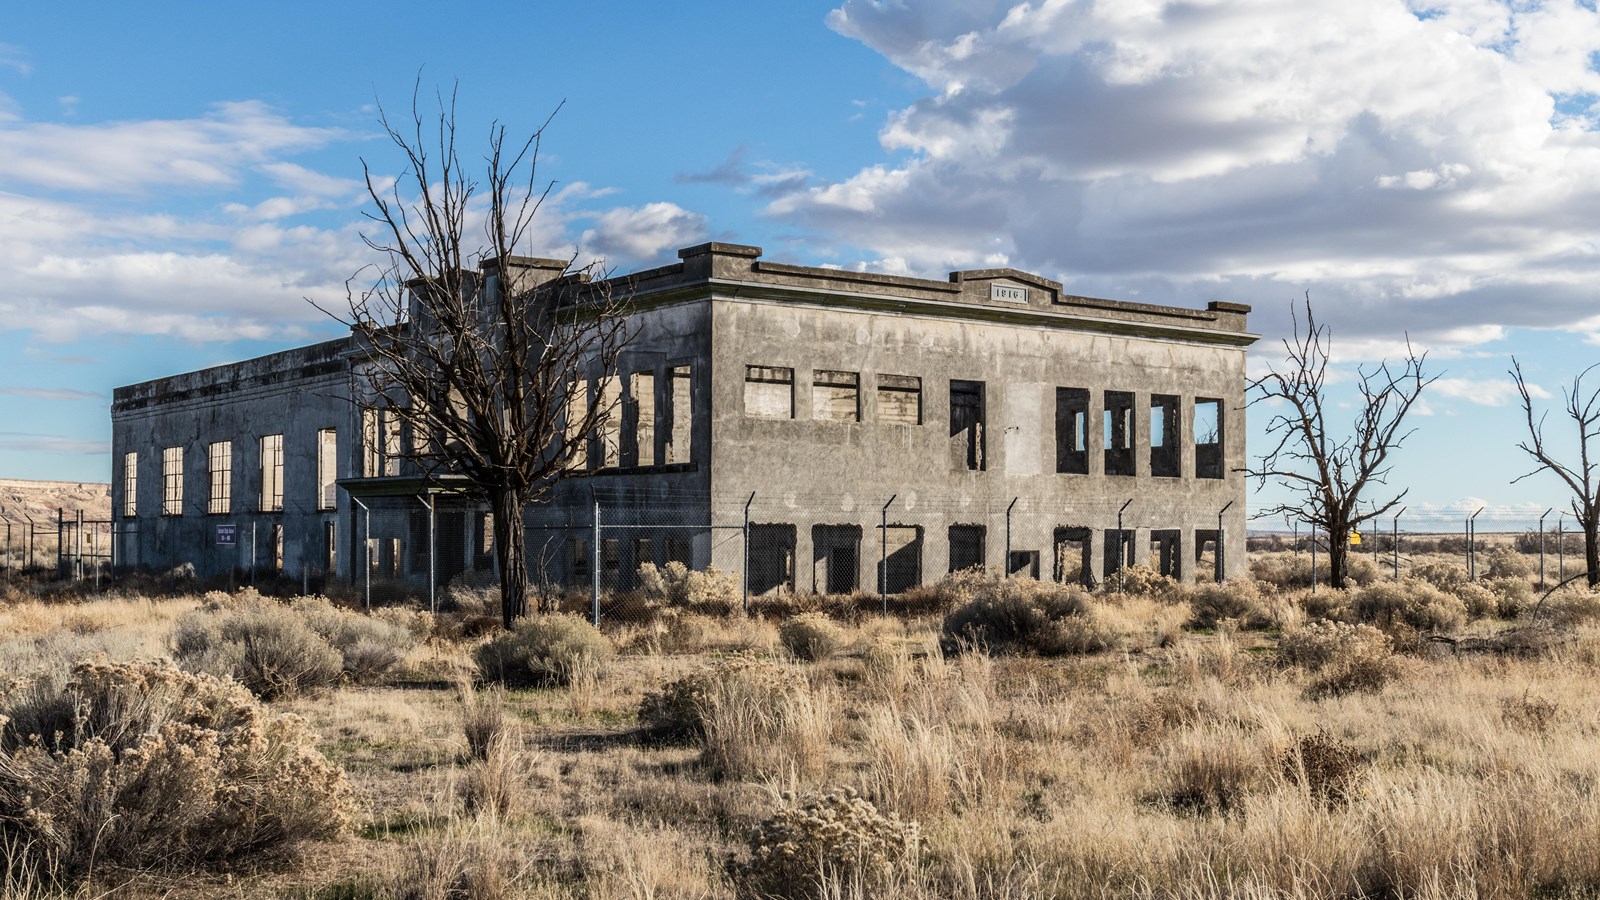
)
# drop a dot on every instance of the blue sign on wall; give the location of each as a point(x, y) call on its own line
point(227, 535)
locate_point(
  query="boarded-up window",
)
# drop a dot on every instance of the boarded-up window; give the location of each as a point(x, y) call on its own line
point(130, 485)
point(172, 481)
point(642, 391)
point(1207, 438)
point(900, 399)
point(272, 473)
point(680, 448)
point(1072, 430)
point(1164, 436)
point(967, 425)
point(327, 468)
point(835, 396)
point(219, 458)
point(768, 392)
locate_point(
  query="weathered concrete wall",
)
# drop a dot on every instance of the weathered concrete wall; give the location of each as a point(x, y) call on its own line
point(295, 393)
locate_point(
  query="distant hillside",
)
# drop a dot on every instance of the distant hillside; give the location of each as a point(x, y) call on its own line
point(41, 499)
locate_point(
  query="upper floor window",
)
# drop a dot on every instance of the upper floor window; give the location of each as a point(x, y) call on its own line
point(172, 481)
point(130, 485)
point(327, 468)
point(835, 396)
point(1118, 432)
point(272, 473)
point(219, 461)
point(1072, 430)
point(967, 422)
point(900, 399)
point(1164, 436)
point(768, 392)
point(1207, 438)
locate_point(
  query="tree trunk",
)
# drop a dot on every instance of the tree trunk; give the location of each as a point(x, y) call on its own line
point(510, 547)
point(1591, 548)
point(1338, 554)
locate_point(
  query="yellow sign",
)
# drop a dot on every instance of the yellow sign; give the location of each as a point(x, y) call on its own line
point(1355, 538)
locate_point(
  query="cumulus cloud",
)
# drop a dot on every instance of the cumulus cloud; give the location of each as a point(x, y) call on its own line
point(1484, 391)
point(1426, 167)
point(642, 234)
point(210, 230)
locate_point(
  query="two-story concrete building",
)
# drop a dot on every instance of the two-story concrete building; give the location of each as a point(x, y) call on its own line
point(1010, 422)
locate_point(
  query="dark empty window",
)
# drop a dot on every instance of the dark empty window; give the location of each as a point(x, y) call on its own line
point(901, 568)
point(1119, 550)
point(1166, 546)
point(836, 558)
point(1119, 432)
point(1072, 430)
point(966, 547)
point(1207, 438)
point(1164, 436)
point(1023, 564)
point(771, 558)
point(967, 425)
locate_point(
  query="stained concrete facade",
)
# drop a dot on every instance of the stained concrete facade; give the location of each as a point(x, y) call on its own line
point(822, 393)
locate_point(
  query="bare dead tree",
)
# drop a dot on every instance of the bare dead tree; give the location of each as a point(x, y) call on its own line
point(483, 357)
point(1581, 478)
point(1325, 473)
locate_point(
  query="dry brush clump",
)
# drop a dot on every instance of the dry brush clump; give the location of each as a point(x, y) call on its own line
point(281, 650)
point(545, 649)
point(1288, 571)
point(1340, 658)
point(1026, 616)
point(711, 591)
point(812, 637)
point(829, 844)
point(143, 766)
point(1238, 602)
point(1411, 603)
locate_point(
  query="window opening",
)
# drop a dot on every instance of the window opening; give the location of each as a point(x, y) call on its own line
point(966, 547)
point(902, 568)
point(272, 473)
point(1207, 438)
point(643, 392)
point(1072, 556)
point(130, 485)
point(680, 442)
point(219, 457)
point(1119, 432)
point(900, 399)
point(772, 558)
point(768, 392)
point(327, 469)
point(835, 396)
point(836, 558)
point(1072, 431)
point(172, 481)
point(1164, 436)
point(967, 425)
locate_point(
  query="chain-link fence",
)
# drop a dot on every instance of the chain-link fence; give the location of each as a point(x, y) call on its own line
point(69, 546)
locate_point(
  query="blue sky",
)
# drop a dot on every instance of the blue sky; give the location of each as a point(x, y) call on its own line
point(173, 184)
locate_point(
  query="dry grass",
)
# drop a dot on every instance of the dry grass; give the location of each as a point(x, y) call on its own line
point(1185, 763)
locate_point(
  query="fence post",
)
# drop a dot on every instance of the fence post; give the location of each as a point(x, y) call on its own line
point(1313, 559)
point(1216, 561)
point(366, 549)
point(1395, 539)
point(744, 586)
point(1472, 550)
point(1007, 561)
point(61, 563)
point(433, 569)
point(1122, 548)
point(594, 565)
point(883, 551)
point(1541, 546)
point(1561, 549)
point(252, 554)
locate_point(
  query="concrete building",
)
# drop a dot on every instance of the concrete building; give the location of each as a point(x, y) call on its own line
point(820, 392)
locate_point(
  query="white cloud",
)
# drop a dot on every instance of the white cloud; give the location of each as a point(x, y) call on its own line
point(138, 156)
point(1483, 391)
point(642, 234)
point(1420, 169)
